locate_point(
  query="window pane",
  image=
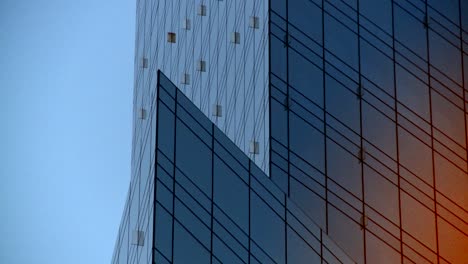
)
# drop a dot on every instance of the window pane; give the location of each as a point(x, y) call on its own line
point(453, 244)
point(448, 118)
point(445, 57)
point(305, 77)
point(379, 130)
point(344, 168)
point(415, 156)
point(381, 194)
point(231, 194)
point(346, 233)
point(336, 35)
point(193, 158)
point(306, 141)
point(410, 32)
point(342, 104)
point(267, 229)
point(187, 249)
point(377, 67)
point(418, 221)
point(299, 252)
point(379, 12)
point(379, 252)
point(412, 93)
point(451, 181)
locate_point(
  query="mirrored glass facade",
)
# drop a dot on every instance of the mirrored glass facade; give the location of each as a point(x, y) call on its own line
point(369, 123)
point(301, 131)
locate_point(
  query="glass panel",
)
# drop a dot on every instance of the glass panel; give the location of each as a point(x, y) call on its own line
point(418, 221)
point(451, 181)
point(163, 239)
point(376, 67)
point(415, 156)
point(193, 158)
point(410, 32)
point(306, 16)
point(309, 201)
point(448, 118)
point(379, 130)
point(453, 244)
point(231, 194)
point(267, 229)
point(344, 168)
point(379, 252)
point(346, 233)
point(307, 142)
point(448, 8)
point(299, 252)
point(342, 104)
point(378, 11)
point(305, 77)
point(381, 194)
point(187, 249)
point(412, 93)
point(445, 57)
point(337, 34)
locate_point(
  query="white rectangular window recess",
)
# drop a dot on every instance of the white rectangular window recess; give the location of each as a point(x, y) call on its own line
point(202, 10)
point(185, 79)
point(186, 24)
point(144, 63)
point(138, 238)
point(254, 22)
point(201, 66)
point(254, 147)
point(235, 38)
point(171, 37)
point(142, 113)
point(217, 110)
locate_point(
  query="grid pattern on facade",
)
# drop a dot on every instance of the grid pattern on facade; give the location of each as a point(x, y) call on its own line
point(214, 205)
point(369, 123)
point(223, 47)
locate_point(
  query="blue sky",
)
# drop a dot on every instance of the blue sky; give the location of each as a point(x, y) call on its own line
point(66, 80)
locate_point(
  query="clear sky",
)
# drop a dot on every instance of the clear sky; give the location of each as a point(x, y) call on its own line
point(66, 80)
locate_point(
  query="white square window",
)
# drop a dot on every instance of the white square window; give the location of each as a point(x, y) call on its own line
point(142, 113)
point(144, 63)
point(235, 37)
point(202, 10)
point(185, 79)
point(254, 147)
point(186, 24)
point(201, 66)
point(138, 238)
point(254, 22)
point(171, 37)
point(217, 110)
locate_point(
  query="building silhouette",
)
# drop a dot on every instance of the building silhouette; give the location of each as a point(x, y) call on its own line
point(299, 131)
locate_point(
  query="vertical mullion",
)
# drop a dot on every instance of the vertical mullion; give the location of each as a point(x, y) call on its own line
point(174, 172)
point(463, 78)
point(212, 189)
point(361, 132)
point(432, 129)
point(396, 130)
point(153, 247)
point(324, 123)
point(288, 131)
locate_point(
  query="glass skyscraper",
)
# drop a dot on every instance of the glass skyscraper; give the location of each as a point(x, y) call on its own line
point(299, 131)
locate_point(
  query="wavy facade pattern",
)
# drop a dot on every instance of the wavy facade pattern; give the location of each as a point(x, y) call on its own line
point(356, 110)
